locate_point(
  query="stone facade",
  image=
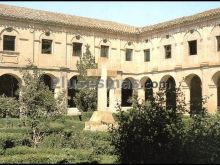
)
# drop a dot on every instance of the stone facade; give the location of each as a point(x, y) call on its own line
point(61, 65)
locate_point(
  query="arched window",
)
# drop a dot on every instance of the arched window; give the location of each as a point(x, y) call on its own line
point(72, 92)
point(9, 86)
point(127, 92)
point(195, 95)
point(48, 81)
point(148, 89)
point(170, 93)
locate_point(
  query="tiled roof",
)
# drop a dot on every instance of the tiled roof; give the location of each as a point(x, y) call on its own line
point(90, 23)
point(40, 15)
point(183, 20)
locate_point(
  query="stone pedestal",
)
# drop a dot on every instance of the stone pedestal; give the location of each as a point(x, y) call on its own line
point(99, 121)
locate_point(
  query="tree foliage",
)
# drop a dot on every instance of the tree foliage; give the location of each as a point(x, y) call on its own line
point(37, 103)
point(150, 132)
point(9, 107)
point(86, 96)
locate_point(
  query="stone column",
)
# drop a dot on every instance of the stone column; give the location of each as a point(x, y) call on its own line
point(212, 101)
point(205, 88)
point(102, 89)
point(141, 95)
point(186, 91)
point(111, 99)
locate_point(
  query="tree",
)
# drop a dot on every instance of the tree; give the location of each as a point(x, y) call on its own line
point(86, 96)
point(37, 103)
point(149, 132)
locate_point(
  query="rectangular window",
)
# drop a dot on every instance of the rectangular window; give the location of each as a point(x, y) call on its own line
point(218, 43)
point(77, 49)
point(147, 55)
point(192, 47)
point(104, 51)
point(46, 46)
point(128, 54)
point(9, 43)
point(167, 51)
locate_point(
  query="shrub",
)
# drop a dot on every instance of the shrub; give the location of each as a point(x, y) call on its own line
point(9, 107)
point(10, 140)
point(29, 155)
point(150, 132)
point(201, 142)
point(86, 99)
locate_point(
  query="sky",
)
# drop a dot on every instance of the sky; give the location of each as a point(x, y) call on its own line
point(136, 13)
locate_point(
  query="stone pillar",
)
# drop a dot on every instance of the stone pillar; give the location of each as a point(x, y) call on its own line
point(205, 88)
point(111, 100)
point(56, 90)
point(102, 90)
point(117, 99)
point(186, 91)
point(212, 101)
point(141, 95)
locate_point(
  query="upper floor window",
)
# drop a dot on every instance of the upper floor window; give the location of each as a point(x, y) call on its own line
point(46, 46)
point(147, 55)
point(104, 51)
point(128, 54)
point(77, 49)
point(9, 43)
point(168, 51)
point(218, 43)
point(192, 47)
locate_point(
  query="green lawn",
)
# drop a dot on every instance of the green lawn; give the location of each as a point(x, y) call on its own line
point(65, 142)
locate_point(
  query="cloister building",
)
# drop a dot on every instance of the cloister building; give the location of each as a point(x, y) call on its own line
point(187, 47)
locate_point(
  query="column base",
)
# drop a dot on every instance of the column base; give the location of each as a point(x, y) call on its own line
point(100, 121)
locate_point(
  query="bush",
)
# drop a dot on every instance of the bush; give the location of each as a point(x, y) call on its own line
point(86, 99)
point(9, 107)
point(10, 140)
point(201, 142)
point(30, 155)
point(150, 132)
point(10, 122)
point(20, 130)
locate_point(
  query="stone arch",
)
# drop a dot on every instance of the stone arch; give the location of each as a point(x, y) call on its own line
point(195, 86)
point(126, 91)
point(107, 43)
point(129, 45)
point(147, 45)
point(216, 81)
point(7, 30)
point(44, 36)
point(75, 38)
point(192, 34)
point(147, 84)
point(168, 39)
point(169, 84)
point(49, 80)
point(72, 91)
point(9, 85)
